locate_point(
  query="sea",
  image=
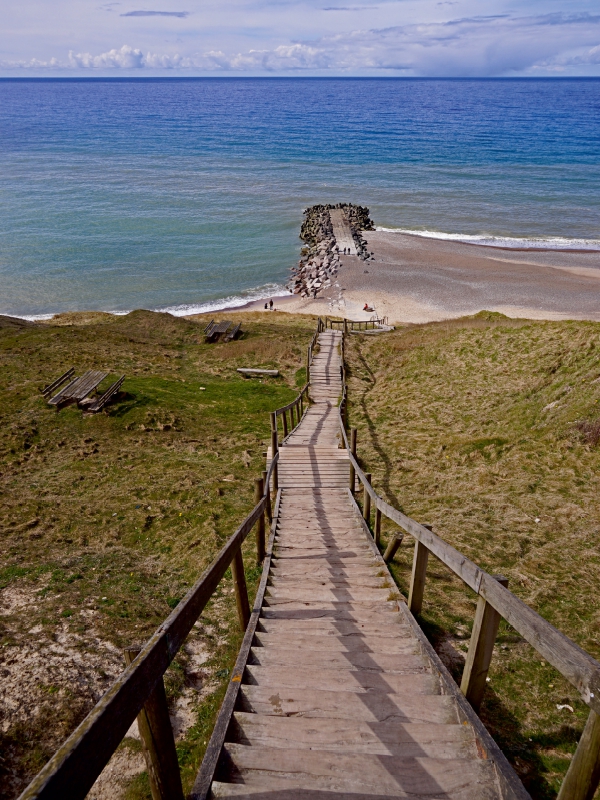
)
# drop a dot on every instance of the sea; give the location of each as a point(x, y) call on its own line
point(186, 195)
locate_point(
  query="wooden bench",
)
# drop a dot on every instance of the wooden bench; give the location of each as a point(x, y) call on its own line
point(78, 389)
point(274, 373)
point(105, 399)
point(234, 333)
point(52, 387)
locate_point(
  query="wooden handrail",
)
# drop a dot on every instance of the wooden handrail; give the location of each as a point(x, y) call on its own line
point(72, 770)
point(575, 664)
point(294, 402)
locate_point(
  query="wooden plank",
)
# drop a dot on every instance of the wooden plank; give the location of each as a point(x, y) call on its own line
point(332, 680)
point(319, 703)
point(248, 371)
point(320, 770)
point(99, 404)
point(333, 641)
point(343, 661)
point(407, 740)
point(51, 387)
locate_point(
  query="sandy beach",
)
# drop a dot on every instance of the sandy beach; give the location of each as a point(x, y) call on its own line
point(417, 279)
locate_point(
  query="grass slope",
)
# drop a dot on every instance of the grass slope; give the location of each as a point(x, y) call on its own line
point(486, 427)
point(106, 520)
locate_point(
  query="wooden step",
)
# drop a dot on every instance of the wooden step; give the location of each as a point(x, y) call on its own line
point(373, 707)
point(332, 680)
point(356, 594)
point(330, 642)
point(408, 662)
point(323, 626)
point(284, 568)
point(391, 737)
point(338, 581)
point(369, 613)
point(270, 768)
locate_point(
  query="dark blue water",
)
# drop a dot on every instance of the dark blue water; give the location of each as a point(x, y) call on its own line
point(120, 194)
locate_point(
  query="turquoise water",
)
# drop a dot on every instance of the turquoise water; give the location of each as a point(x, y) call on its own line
point(188, 194)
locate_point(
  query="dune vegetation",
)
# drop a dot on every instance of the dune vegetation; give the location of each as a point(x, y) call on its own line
point(107, 519)
point(487, 428)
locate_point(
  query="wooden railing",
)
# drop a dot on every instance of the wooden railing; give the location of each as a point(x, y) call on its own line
point(354, 324)
point(311, 347)
point(495, 601)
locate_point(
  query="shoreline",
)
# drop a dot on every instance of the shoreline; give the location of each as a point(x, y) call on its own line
point(417, 279)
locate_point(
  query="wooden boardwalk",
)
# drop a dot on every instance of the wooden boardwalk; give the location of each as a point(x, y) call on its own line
point(341, 231)
point(338, 696)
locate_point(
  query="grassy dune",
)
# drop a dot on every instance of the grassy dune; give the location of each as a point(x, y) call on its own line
point(487, 428)
point(106, 520)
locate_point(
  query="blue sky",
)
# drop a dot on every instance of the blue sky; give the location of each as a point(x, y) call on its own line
point(447, 38)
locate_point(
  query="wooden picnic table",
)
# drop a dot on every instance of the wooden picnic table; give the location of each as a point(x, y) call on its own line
point(78, 389)
point(216, 329)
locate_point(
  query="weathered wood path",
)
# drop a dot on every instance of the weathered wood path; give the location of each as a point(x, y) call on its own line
point(337, 696)
point(341, 231)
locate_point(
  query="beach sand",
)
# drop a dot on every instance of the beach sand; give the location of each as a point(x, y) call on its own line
point(417, 279)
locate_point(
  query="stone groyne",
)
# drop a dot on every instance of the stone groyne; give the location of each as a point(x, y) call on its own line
point(320, 256)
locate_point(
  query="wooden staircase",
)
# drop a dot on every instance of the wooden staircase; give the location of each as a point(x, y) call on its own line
point(340, 694)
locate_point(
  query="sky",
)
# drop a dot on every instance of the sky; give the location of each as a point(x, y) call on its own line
point(423, 38)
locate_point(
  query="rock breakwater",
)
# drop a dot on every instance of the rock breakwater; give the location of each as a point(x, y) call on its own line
point(320, 257)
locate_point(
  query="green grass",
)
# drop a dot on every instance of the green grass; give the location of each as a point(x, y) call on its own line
point(107, 520)
point(475, 426)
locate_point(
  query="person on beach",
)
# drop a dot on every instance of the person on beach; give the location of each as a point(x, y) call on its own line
point(271, 305)
point(266, 306)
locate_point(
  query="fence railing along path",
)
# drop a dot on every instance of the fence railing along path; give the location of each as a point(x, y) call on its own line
point(335, 690)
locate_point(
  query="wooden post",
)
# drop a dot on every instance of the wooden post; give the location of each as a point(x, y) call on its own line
point(241, 591)
point(583, 776)
point(158, 742)
point(419, 574)
point(274, 449)
point(353, 451)
point(378, 526)
point(285, 424)
point(393, 545)
point(308, 354)
point(367, 499)
point(267, 491)
point(481, 648)
point(345, 325)
point(260, 524)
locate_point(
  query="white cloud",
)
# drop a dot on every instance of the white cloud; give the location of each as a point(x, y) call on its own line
point(125, 58)
point(470, 46)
